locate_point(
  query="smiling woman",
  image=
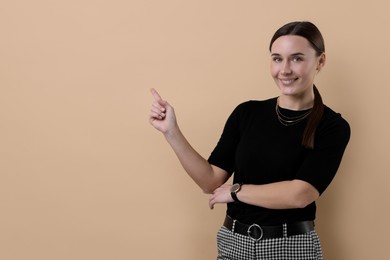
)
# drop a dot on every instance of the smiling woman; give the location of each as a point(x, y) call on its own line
point(294, 65)
point(298, 52)
point(283, 153)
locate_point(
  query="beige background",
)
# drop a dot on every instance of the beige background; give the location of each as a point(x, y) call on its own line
point(84, 176)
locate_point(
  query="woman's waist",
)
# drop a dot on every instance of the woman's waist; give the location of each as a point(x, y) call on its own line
point(249, 214)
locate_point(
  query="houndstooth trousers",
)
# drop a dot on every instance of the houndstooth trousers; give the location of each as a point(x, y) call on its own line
point(233, 246)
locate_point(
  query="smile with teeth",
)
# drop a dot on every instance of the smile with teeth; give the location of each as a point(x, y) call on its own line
point(287, 81)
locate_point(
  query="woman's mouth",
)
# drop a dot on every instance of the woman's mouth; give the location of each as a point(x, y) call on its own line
point(287, 81)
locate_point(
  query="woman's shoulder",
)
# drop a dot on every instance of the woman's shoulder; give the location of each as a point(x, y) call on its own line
point(332, 116)
point(334, 121)
point(252, 109)
point(257, 104)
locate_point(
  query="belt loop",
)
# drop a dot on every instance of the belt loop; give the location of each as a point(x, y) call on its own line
point(285, 232)
point(234, 224)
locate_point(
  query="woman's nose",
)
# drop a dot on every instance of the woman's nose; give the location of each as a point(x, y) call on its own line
point(286, 68)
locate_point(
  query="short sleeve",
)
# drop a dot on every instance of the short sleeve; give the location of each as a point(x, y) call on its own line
point(321, 163)
point(223, 155)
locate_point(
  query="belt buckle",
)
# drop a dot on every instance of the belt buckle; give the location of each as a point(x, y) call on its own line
point(254, 227)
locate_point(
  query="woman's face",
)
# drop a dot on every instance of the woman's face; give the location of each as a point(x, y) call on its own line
point(294, 64)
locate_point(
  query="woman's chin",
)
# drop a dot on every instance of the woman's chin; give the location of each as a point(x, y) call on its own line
point(287, 90)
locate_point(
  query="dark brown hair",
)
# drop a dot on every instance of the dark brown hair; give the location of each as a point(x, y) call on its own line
point(311, 33)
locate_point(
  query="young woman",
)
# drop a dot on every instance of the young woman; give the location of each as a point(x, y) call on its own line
point(283, 152)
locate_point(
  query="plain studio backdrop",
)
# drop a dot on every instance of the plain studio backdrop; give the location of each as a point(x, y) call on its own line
point(83, 175)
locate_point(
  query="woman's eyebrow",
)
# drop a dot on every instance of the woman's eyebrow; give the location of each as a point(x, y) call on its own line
point(294, 54)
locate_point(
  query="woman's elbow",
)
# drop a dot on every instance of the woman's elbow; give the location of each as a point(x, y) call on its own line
point(209, 188)
point(301, 203)
point(217, 178)
point(305, 195)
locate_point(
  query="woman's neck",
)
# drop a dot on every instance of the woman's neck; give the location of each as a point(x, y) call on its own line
point(296, 103)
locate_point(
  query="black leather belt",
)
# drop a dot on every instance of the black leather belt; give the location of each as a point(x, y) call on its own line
point(258, 232)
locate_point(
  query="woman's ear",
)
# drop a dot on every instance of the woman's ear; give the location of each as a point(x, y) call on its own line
point(321, 62)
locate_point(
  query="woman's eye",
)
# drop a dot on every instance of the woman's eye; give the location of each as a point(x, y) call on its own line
point(276, 59)
point(296, 59)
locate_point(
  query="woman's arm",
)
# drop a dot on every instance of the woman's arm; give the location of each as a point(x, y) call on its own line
point(205, 175)
point(278, 195)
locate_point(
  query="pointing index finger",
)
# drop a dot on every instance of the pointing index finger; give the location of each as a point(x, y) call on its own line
point(155, 94)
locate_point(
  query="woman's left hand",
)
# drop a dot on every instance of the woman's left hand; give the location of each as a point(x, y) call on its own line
point(221, 195)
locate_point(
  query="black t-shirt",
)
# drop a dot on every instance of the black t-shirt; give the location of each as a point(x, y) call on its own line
point(258, 149)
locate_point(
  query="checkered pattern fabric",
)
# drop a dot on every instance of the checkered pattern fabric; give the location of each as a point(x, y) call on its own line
point(233, 246)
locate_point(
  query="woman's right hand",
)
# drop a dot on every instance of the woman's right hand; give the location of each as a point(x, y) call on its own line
point(162, 115)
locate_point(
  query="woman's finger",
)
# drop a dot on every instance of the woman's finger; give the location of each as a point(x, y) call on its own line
point(211, 203)
point(155, 94)
point(158, 110)
point(158, 107)
point(157, 115)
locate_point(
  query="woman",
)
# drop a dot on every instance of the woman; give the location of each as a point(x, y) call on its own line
point(284, 152)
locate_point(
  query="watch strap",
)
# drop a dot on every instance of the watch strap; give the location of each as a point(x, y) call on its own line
point(234, 196)
point(233, 192)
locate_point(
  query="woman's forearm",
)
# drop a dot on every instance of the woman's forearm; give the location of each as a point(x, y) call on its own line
point(207, 177)
point(163, 118)
point(279, 195)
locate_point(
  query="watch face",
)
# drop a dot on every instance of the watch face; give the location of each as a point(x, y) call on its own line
point(236, 187)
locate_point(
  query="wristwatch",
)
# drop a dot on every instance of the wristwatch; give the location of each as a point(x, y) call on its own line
point(233, 191)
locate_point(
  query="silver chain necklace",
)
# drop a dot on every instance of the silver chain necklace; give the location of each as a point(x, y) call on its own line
point(289, 121)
